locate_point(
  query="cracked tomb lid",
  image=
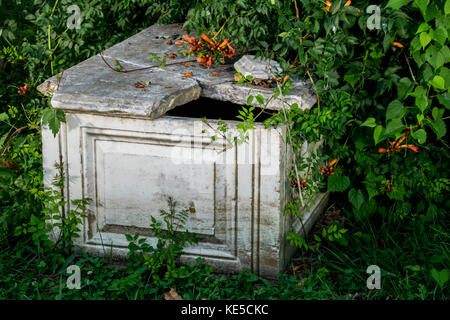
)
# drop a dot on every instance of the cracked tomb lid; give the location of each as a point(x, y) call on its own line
point(93, 87)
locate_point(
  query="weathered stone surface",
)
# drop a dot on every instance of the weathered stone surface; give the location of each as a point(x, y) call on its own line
point(258, 68)
point(92, 87)
point(133, 53)
point(130, 166)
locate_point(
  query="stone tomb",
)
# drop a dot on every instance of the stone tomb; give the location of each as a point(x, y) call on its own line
point(129, 149)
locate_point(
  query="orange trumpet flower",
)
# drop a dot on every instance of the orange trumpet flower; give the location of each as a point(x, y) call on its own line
point(23, 90)
point(223, 44)
point(397, 44)
point(205, 37)
point(396, 147)
point(410, 147)
point(328, 170)
point(189, 39)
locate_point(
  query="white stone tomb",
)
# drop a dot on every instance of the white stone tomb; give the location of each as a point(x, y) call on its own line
point(129, 149)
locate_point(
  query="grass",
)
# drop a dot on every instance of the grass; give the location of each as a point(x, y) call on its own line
point(337, 270)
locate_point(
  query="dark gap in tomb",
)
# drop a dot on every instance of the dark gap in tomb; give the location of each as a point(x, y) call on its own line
point(215, 109)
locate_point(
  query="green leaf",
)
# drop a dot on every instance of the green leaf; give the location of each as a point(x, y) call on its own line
point(370, 122)
point(437, 113)
point(444, 99)
point(439, 128)
point(249, 100)
point(394, 126)
point(352, 78)
point(435, 56)
point(447, 7)
point(356, 197)
point(441, 277)
point(33, 220)
point(445, 74)
point(3, 139)
point(54, 124)
point(338, 183)
point(4, 116)
point(53, 117)
point(438, 82)
point(394, 110)
point(397, 4)
point(425, 39)
point(423, 27)
point(420, 117)
point(260, 99)
point(445, 52)
point(421, 98)
point(439, 35)
point(413, 268)
point(377, 134)
point(422, 4)
point(420, 135)
point(368, 208)
point(5, 172)
point(403, 87)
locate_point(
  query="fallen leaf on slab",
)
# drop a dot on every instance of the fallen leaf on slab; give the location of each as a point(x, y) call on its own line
point(298, 267)
point(172, 295)
point(187, 74)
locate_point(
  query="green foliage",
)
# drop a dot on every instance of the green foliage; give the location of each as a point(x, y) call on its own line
point(337, 183)
point(369, 91)
point(161, 261)
point(373, 87)
point(247, 23)
point(53, 117)
point(163, 11)
point(441, 277)
point(333, 233)
point(54, 231)
point(298, 241)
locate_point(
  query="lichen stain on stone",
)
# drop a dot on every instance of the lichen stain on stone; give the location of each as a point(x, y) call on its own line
point(91, 224)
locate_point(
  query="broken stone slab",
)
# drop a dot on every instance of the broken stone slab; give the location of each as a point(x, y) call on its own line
point(133, 53)
point(259, 68)
point(92, 87)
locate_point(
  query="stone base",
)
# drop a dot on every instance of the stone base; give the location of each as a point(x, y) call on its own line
point(129, 167)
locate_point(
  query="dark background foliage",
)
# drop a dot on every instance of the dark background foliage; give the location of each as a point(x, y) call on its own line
point(394, 205)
